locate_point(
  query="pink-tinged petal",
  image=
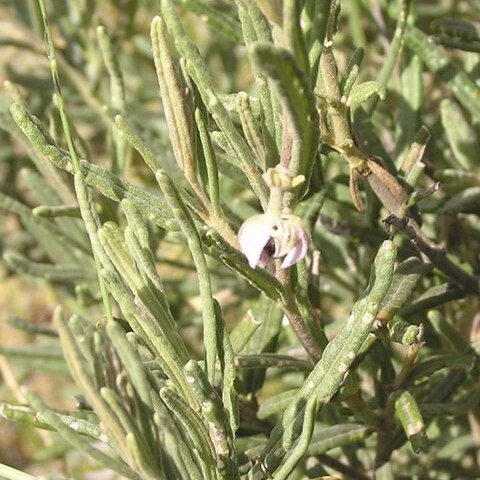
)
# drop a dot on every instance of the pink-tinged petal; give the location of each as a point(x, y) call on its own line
point(253, 236)
point(293, 256)
point(305, 238)
point(299, 251)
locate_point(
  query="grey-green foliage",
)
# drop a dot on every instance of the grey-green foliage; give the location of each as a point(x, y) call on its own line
point(190, 363)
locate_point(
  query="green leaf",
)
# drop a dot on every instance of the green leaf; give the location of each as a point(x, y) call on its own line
point(297, 99)
point(222, 23)
point(177, 102)
point(462, 87)
point(406, 277)
point(434, 363)
point(203, 79)
point(337, 436)
point(362, 92)
point(460, 134)
point(467, 201)
point(110, 185)
point(329, 372)
point(408, 414)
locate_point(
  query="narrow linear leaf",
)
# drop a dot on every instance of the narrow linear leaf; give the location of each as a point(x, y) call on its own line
point(255, 28)
point(297, 99)
point(329, 372)
point(76, 440)
point(460, 134)
point(464, 89)
point(177, 102)
point(202, 77)
point(219, 21)
point(110, 185)
point(409, 416)
point(362, 92)
point(189, 230)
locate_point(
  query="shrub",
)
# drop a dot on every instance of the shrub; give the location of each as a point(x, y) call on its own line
point(269, 270)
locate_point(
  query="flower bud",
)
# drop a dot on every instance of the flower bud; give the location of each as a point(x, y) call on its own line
point(279, 177)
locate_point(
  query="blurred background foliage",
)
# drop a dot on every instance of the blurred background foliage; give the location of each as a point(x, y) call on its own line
point(346, 239)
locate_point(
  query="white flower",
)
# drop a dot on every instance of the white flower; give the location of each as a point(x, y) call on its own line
point(265, 237)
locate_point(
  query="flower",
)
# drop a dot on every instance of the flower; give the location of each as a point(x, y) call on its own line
point(266, 237)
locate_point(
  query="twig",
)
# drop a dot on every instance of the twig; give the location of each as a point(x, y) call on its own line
point(348, 471)
point(294, 316)
point(436, 254)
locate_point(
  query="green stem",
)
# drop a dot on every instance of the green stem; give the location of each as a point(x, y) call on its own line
point(69, 139)
point(58, 93)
